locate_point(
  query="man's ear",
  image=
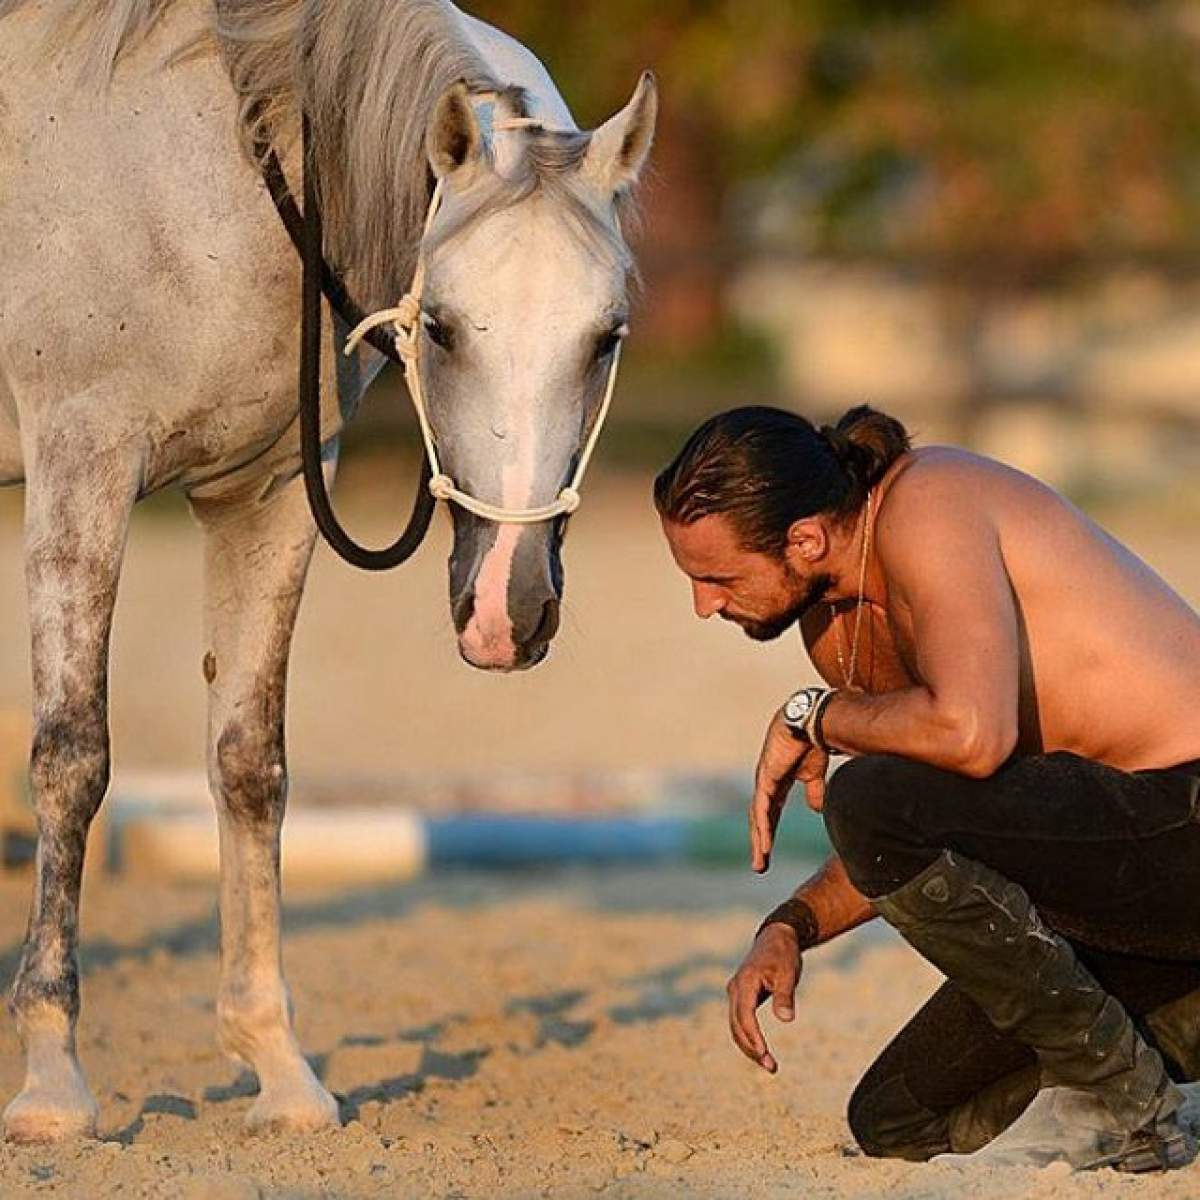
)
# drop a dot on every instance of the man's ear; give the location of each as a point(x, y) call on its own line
point(807, 542)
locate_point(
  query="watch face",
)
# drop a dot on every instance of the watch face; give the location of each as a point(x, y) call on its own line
point(796, 709)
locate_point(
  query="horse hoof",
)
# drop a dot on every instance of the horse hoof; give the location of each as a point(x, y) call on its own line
point(304, 1112)
point(41, 1116)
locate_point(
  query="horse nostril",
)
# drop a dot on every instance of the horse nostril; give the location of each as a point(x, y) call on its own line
point(548, 625)
point(462, 609)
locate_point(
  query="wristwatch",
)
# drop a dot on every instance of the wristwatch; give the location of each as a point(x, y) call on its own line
point(799, 709)
point(802, 714)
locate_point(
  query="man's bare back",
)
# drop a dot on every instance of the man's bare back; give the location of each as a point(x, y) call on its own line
point(1109, 654)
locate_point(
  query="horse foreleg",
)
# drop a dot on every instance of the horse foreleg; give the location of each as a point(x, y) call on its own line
point(256, 559)
point(77, 504)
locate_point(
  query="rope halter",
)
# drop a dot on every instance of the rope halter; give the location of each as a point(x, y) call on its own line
point(405, 319)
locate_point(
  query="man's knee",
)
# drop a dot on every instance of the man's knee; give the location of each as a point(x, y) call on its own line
point(887, 1122)
point(874, 817)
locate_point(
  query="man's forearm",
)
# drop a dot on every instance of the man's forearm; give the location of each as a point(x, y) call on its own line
point(911, 723)
point(834, 903)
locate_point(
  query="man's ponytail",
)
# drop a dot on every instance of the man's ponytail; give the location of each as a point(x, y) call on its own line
point(866, 443)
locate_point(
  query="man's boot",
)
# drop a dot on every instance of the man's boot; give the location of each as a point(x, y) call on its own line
point(1066, 1125)
point(985, 1116)
point(1176, 1028)
point(983, 932)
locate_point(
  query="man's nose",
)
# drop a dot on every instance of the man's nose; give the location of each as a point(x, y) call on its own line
point(706, 600)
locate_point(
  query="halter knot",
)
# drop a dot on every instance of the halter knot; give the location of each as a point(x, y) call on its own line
point(408, 313)
point(441, 487)
point(404, 318)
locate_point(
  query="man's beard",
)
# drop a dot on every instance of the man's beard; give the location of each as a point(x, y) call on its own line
point(768, 631)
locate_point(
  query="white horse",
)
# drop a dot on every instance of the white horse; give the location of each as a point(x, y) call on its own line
point(149, 312)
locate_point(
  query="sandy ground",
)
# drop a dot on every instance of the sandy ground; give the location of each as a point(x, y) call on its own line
point(491, 1036)
point(494, 1037)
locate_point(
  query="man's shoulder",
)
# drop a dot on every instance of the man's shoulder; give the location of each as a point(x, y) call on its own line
point(935, 483)
point(950, 493)
point(945, 466)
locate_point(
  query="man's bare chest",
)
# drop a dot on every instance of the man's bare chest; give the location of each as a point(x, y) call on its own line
point(880, 659)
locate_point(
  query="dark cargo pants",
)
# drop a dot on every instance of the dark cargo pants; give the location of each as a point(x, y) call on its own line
point(1110, 858)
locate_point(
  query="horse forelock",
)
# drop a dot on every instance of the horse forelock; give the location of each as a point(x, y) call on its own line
point(549, 167)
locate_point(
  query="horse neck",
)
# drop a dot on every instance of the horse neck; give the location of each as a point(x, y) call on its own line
point(514, 63)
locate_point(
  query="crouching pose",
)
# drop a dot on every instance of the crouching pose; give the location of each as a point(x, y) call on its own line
point(1019, 693)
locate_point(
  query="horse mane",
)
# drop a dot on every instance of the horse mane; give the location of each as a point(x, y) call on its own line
point(549, 168)
point(368, 73)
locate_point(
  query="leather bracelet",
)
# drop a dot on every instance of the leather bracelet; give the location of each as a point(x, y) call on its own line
point(796, 914)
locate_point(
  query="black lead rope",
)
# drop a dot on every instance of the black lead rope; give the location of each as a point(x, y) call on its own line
point(307, 236)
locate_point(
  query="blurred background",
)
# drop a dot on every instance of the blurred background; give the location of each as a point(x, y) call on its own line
point(982, 216)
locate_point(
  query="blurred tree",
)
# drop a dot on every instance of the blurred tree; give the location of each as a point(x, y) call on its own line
point(999, 142)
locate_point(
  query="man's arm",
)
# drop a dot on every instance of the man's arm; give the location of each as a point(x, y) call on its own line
point(837, 906)
point(822, 907)
point(942, 562)
point(947, 575)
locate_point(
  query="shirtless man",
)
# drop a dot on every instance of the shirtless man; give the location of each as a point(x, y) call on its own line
point(1020, 696)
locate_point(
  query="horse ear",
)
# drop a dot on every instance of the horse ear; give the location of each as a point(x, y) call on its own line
point(453, 138)
point(620, 146)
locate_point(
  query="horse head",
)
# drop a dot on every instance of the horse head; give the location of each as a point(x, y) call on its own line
point(525, 305)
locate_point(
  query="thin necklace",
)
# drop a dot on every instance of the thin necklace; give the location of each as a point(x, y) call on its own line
point(849, 672)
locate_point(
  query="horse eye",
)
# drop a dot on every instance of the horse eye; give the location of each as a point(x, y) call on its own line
point(437, 333)
point(609, 341)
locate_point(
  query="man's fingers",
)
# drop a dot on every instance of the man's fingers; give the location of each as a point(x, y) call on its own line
point(814, 793)
point(764, 816)
point(743, 1023)
point(783, 998)
point(778, 763)
point(758, 857)
point(760, 830)
point(766, 808)
point(735, 1025)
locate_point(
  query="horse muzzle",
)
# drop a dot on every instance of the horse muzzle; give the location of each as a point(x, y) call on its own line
point(506, 596)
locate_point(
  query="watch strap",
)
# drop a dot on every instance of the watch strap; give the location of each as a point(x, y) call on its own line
point(814, 723)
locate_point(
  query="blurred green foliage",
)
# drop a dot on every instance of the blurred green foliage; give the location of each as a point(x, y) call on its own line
point(1008, 135)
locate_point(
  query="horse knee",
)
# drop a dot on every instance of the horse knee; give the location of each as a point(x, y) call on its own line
point(69, 772)
point(249, 778)
point(887, 1122)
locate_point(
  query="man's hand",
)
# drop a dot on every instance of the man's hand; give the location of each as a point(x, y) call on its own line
point(784, 760)
point(771, 969)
